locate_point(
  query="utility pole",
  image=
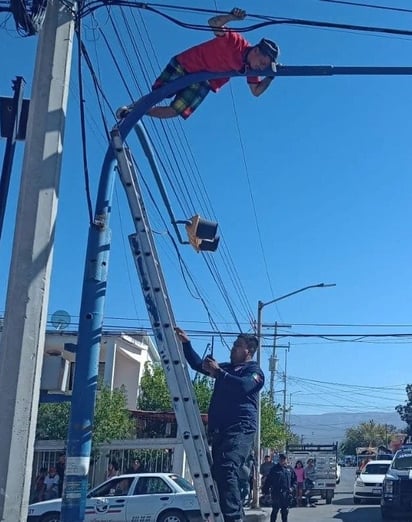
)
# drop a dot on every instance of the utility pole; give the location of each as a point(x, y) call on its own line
point(272, 365)
point(284, 386)
point(22, 341)
point(273, 360)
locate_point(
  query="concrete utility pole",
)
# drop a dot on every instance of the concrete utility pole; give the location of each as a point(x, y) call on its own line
point(285, 386)
point(22, 341)
point(273, 360)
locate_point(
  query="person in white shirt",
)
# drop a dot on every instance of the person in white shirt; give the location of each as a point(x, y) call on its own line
point(51, 484)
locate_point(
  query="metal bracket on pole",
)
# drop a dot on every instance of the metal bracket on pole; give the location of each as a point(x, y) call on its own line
point(13, 120)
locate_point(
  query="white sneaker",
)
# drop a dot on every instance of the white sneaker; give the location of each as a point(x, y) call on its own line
point(122, 112)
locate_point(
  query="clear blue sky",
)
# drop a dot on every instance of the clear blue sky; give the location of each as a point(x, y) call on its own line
point(309, 183)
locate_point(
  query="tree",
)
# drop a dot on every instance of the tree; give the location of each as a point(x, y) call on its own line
point(272, 432)
point(112, 420)
point(203, 386)
point(53, 421)
point(155, 396)
point(366, 434)
point(405, 410)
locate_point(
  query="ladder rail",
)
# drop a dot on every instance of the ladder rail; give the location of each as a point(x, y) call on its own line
point(169, 348)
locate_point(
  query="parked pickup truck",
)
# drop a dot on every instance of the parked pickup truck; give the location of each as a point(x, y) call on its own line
point(325, 457)
point(144, 497)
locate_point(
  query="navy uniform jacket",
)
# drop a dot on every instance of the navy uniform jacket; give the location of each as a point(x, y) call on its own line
point(279, 481)
point(235, 394)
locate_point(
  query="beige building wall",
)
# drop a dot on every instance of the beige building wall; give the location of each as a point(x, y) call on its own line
point(122, 360)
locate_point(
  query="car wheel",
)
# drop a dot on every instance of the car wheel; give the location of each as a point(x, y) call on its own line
point(172, 515)
point(50, 517)
point(356, 500)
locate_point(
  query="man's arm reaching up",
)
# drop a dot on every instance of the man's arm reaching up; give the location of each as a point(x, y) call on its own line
point(219, 21)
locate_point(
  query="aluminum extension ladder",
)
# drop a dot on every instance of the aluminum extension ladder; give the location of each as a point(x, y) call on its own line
point(161, 317)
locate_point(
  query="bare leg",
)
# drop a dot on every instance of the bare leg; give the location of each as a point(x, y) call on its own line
point(162, 112)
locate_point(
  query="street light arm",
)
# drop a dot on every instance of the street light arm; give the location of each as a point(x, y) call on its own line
point(319, 285)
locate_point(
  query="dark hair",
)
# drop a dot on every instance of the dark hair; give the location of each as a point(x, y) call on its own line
point(282, 456)
point(269, 48)
point(251, 342)
point(115, 465)
point(298, 462)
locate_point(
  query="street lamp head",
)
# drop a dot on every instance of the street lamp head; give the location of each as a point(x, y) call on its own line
point(319, 285)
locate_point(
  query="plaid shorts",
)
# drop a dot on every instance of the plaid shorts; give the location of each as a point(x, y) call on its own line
point(188, 99)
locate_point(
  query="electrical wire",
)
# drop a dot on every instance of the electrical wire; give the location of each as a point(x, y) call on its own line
point(174, 183)
point(91, 6)
point(370, 6)
point(83, 125)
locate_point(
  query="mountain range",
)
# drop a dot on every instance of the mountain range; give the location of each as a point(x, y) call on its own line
point(327, 428)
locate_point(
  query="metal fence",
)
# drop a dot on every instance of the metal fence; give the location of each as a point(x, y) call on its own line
point(155, 455)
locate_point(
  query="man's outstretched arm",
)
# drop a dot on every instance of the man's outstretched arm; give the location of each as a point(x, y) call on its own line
point(219, 21)
point(195, 362)
point(259, 88)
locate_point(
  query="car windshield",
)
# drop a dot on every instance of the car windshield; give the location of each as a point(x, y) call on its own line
point(403, 462)
point(183, 483)
point(375, 469)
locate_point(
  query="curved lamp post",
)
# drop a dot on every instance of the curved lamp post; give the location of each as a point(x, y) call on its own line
point(261, 305)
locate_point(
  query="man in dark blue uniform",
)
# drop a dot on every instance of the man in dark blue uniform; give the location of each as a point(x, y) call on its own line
point(232, 415)
point(280, 482)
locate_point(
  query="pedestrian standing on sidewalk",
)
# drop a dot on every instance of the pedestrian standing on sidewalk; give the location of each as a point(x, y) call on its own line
point(300, 481)
point(279, 483)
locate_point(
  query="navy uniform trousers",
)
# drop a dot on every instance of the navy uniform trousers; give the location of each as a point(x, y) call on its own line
point(230, 449)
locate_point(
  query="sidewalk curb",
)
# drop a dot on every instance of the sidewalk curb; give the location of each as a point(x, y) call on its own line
point(256, 515)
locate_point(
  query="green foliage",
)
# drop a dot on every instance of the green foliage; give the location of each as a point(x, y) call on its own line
point(53, 421)
point(366, 434)
point(203, 386)
point(154, 394)
point(112, 420)
point(272, 432)
point(405, 410)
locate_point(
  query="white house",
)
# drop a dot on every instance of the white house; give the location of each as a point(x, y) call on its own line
point(122, 360)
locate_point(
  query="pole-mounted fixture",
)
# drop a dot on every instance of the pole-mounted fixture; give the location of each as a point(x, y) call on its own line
point(201, 234)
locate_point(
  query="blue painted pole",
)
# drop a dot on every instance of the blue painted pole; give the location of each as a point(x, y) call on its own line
point(91, 318)
point(95, 280)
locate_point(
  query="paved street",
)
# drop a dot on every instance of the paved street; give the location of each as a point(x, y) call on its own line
point(342, 507)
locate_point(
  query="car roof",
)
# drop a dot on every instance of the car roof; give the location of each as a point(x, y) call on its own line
point(156, 474)
point(379, 462)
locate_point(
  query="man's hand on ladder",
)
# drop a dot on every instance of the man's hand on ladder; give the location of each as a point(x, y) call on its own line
point(182, 335)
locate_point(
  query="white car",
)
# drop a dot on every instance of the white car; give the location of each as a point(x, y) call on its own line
point(144, 497)
point(338, 473)
point(368, 484)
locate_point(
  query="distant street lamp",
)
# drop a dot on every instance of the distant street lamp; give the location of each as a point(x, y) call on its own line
point(290, 405)
point(261, 305)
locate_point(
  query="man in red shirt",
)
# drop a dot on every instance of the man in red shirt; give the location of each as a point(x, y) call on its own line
point(229, 51)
